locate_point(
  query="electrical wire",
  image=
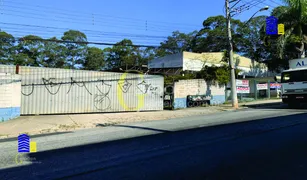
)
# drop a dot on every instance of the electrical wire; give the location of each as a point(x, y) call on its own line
point(82, 30)
point(249, 5)
point(77, 13)
point(279, 4)
point(155, 29)
point(20, 39)
point(87, 21)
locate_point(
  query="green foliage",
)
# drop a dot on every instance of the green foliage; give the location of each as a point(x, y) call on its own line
point(220, 75)
point(293, 43)
point(94, 59)
point(75, 52)
point(176, 43)
point(182, 76)
point(213, 37)
point(31, 48)
point(254, 47)
point(124, 55)
point(6, 47)
point(54, 54)
point(249, 40)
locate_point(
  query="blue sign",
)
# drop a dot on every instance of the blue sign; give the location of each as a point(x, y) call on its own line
point(23, 143)
point(271, 25)
point(275, 86)
point(299, 64)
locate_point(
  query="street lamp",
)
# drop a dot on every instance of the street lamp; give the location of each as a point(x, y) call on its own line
point(262, 9)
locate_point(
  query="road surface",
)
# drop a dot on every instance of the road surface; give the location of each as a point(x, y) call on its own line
point(257, 144)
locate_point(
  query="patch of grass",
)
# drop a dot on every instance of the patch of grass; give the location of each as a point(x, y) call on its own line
point(45, 131)
point(108, 124)
point(73, 126)
point(25, 133)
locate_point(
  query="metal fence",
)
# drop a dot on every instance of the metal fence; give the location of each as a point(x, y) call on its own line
point(62, 91)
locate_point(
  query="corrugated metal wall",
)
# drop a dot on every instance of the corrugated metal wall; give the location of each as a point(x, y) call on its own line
point(57, 91)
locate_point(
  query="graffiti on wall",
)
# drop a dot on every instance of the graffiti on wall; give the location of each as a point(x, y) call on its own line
point(102, 100)
point(99, 89)
point(124, 85)
point(74, 82)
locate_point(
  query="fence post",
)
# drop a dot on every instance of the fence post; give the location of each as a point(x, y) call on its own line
point(256, 91)
point(269, 89)
point(17, 69)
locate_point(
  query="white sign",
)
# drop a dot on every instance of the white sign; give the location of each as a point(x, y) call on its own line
point(262, 86)
point(242, 83)
point(298, 63)
point(243, 90)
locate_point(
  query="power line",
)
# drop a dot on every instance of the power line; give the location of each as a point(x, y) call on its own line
point(40, 33)
point(23, 29)
point(82, 30)
point(134, 27)
point(85, 20)
point(279, 4)
point(155, 29)
point(249, 5)
point(83, 42)
point(74, 13)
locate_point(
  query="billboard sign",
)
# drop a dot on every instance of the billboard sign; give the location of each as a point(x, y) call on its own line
point(243, 90)
point(262, 86)
point(271, 25)
point(275, 85)
point(242, 83)
point(281, 29)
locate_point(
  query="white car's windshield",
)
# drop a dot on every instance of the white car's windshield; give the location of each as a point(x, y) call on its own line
point(294, 76)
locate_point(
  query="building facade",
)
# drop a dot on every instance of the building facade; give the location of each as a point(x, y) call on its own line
point(187, 61)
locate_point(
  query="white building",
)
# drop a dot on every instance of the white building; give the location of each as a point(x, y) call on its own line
point(187, 61)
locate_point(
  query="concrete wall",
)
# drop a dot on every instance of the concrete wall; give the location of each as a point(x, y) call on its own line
point(10, 96)
point(183, 88)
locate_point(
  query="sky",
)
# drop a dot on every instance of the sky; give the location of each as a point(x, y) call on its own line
point(145, 22)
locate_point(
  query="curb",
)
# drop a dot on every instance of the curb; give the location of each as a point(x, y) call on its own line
point(262, 105)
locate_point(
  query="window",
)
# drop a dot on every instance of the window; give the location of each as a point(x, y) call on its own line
point(294, 76)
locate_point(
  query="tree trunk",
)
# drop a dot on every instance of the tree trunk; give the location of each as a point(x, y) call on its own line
point(301, 50)
point(303, 53)
point(282, 42)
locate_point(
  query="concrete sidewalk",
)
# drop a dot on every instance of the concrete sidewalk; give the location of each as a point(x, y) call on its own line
point(257, 103)
point(45, 124)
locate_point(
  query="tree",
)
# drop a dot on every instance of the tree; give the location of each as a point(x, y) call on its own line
point(22, 59)
point(176, 43)
point(76, 48)
point(54, 54)
point(254, 47)
point(143, 55)
point(94, 59)
point(213, 36)
point(121, 55)
point(30, 48)
point(294, 17)
point(6, 47)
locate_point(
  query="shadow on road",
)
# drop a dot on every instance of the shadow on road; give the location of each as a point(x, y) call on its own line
point(139, 127)
point(186, 154)
point(35, 136)
point(276, 106)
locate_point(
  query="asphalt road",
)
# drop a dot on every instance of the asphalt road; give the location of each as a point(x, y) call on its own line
point(257, 144)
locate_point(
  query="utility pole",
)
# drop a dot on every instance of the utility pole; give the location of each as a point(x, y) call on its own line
point(231, 64)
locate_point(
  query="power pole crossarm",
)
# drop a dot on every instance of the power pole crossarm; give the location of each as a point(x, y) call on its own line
point(231, 65)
